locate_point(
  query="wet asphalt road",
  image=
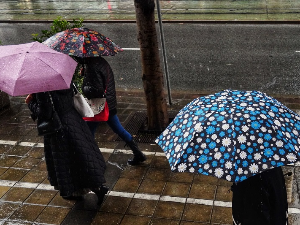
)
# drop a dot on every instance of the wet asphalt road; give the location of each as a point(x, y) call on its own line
point(201, 56)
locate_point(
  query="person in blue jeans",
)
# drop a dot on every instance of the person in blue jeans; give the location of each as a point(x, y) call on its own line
point(99, 82)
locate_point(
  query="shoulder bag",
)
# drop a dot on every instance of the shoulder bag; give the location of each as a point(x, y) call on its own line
point(50, 126)
point(97, 104)
point(81, 104)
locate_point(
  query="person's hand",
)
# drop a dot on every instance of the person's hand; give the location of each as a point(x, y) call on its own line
point(28, 98)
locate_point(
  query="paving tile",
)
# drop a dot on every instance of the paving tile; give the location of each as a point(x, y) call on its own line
point(17, 194)
point(149, 186)
point(19, 150)
point(203, 191)
point(112, 174)
point(8, 128)
point(134, 172)
point(7, 209)
point(10, 222)
point(161, 221)
point(52, 215)
point(224, 183)
point(106, 155)
point(37, 153)
point(169, 210)
point(200, 178)
point(177, 189)
point(157, 174)
point(194, 223)
point(141, 207)
point(107, 218)
point(27, 213)
point(8, 161)
point(42, 197)
point(126, 185)
point(2, 170)
point(3, 190)
point(223, 194)
point(34, 176)
point(181, 177)
point(13, 174)
point(120, 159)
point(197, 212)
point(46, 181)
point(80, 217)
point(41, 166)
point(5, 148)
point(59, 201)
point(160, 162)
point(222, 215)
point(27, 163)
point(130, 220)
point(115, 204)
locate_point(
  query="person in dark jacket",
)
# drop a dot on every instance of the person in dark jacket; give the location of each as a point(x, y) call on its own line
point(98, 82)
point(261, 199)
point(74, 162)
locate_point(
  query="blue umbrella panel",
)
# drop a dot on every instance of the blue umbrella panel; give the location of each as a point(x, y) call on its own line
point(232, 135)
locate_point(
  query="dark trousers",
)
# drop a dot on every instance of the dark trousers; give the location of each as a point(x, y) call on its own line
point(261, 199)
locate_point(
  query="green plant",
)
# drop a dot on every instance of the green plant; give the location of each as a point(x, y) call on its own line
point(59, 25)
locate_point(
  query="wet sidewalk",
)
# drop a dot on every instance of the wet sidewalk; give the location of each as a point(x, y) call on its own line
point(124, 10)
point(144, 194)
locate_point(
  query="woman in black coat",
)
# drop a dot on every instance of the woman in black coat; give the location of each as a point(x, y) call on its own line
point(74, 162)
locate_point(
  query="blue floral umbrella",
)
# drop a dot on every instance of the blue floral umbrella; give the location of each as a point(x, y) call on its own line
point(232, 135)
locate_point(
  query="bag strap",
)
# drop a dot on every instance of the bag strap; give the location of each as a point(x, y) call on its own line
point(75, 90)
point(51, 100)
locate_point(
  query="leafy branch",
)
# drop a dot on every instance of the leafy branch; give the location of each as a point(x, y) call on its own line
point(59, 25)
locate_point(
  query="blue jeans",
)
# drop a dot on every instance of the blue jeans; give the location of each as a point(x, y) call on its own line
point(114, 123)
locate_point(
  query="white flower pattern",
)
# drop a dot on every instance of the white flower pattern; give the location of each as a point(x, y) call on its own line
point(232, 135)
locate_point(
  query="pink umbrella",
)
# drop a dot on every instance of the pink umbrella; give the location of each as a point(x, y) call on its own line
point(34, 67)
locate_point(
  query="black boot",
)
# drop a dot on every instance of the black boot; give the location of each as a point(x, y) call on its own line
point(101, 193)
point(138, 156)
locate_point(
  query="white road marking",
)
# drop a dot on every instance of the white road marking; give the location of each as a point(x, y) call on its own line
point(131, 49)
point(8, 183)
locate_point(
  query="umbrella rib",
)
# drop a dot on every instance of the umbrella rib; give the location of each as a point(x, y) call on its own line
point(20, 68)
point(49, 65)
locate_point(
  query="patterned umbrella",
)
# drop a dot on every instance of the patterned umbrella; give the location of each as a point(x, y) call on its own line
point(232, 135)
point(82, 42)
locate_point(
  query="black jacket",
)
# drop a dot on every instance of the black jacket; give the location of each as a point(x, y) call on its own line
point(98, 78)
point(261, 199)
point(74, 161)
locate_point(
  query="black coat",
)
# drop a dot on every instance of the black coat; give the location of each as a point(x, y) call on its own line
point(98, 78)
point(261, 199)
point(74, 161)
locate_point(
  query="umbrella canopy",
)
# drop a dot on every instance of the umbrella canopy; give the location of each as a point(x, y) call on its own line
point(33, 67)
point(82, 42)
point(232, 135)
